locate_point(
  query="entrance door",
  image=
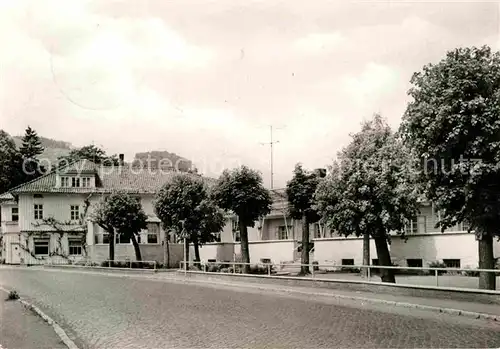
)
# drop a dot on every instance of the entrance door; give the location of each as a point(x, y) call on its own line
point(15, 253)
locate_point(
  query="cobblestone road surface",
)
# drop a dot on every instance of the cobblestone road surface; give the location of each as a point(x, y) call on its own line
point(117, 312)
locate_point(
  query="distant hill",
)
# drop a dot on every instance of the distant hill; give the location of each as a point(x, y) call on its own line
point(162, 159)
point(53, 149)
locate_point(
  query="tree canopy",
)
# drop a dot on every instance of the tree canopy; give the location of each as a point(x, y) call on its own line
point(453, 125)
point(91, 153)
point(10, 163)
point(183, 205)
point(370, 188)
point(30, 149)
point(120, 213)
point(31, 145)
point(300, 193)
point(241, 191)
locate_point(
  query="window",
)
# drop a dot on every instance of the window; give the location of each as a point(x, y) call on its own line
point(153, 233)
point(465, 226)
point(75, 182)
point(105, 238)
point(38, 210)
point(317, 231)
point(75, 247)
point(414, 263)
point(64, 182)
point(236, 236)
point(101, 238)
point(15, 214)
point(234, 225)
point(217, 237)
point(86, 182)
point(74, 212)
point(348, 261)
point(41, 246)
point(452, 263)
point(38, 196)
point(412, 226)
point(122, 239)
point(282, 233)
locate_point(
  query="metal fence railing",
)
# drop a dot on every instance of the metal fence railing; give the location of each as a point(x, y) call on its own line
point(116, 263)
point(465, 278)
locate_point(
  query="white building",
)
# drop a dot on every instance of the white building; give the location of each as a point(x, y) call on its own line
point(28, 238)
point(42, 220)
point(277, 237)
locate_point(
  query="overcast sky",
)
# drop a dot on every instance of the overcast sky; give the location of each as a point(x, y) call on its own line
point(205, 79)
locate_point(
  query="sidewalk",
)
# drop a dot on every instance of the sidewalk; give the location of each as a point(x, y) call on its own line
point(22, 329)
point(445, 305)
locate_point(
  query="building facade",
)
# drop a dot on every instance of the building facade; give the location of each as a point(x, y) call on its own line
point(48, 220)
point(277, 238)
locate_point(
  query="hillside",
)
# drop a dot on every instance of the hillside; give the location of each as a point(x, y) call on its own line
point(162, 159)
point(53, 149)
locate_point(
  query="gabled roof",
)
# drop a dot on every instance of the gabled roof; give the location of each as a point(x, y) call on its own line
point(108, 179)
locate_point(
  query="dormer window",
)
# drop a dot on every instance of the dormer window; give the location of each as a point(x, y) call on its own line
point(75, 182)
point(65, 182)
point(86, 182)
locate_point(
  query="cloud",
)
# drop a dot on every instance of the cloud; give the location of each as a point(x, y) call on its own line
point(204, 81)
point(374, 81)
point(317, 42)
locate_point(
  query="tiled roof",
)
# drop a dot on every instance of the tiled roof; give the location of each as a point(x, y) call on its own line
point(6, 197)
point(109, 179)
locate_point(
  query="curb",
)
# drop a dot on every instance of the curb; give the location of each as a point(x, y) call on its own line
point(57, 329)
point(451, 311)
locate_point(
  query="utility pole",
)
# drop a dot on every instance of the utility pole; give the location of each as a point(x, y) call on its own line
point(271, 143)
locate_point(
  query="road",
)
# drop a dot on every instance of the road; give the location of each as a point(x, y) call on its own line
point(102, 311)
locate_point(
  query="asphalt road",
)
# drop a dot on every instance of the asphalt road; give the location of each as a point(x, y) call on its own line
point(101, 311)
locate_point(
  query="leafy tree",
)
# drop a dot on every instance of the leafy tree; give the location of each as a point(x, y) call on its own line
point(370, 190)
point(10, 163)
point(91, 153)
point(206, 220)
point(241, 191)
point(453, 125)
point(300, 194)
point(183, 206)
point(31, 148)
point(121, 214)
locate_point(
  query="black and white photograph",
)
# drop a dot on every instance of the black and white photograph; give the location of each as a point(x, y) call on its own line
point(249, 174)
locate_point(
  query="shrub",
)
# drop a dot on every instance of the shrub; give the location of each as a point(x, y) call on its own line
point(471, 272)
point(213, 268)
point(13, 295)
point(437, 264)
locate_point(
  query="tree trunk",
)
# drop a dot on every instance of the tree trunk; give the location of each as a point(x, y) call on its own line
point(166, 251)
point(137, 249)
point(186, 253)
point(304, 257)
point(384, 259)
point(487, 280)
point(245, 252)
point(111, 233)
point(366, 253)
point(197, 253)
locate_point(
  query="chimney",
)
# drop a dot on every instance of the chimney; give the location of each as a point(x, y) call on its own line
point(122, 159)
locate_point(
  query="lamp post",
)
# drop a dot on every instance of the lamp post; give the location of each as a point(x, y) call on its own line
point(185, 247)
